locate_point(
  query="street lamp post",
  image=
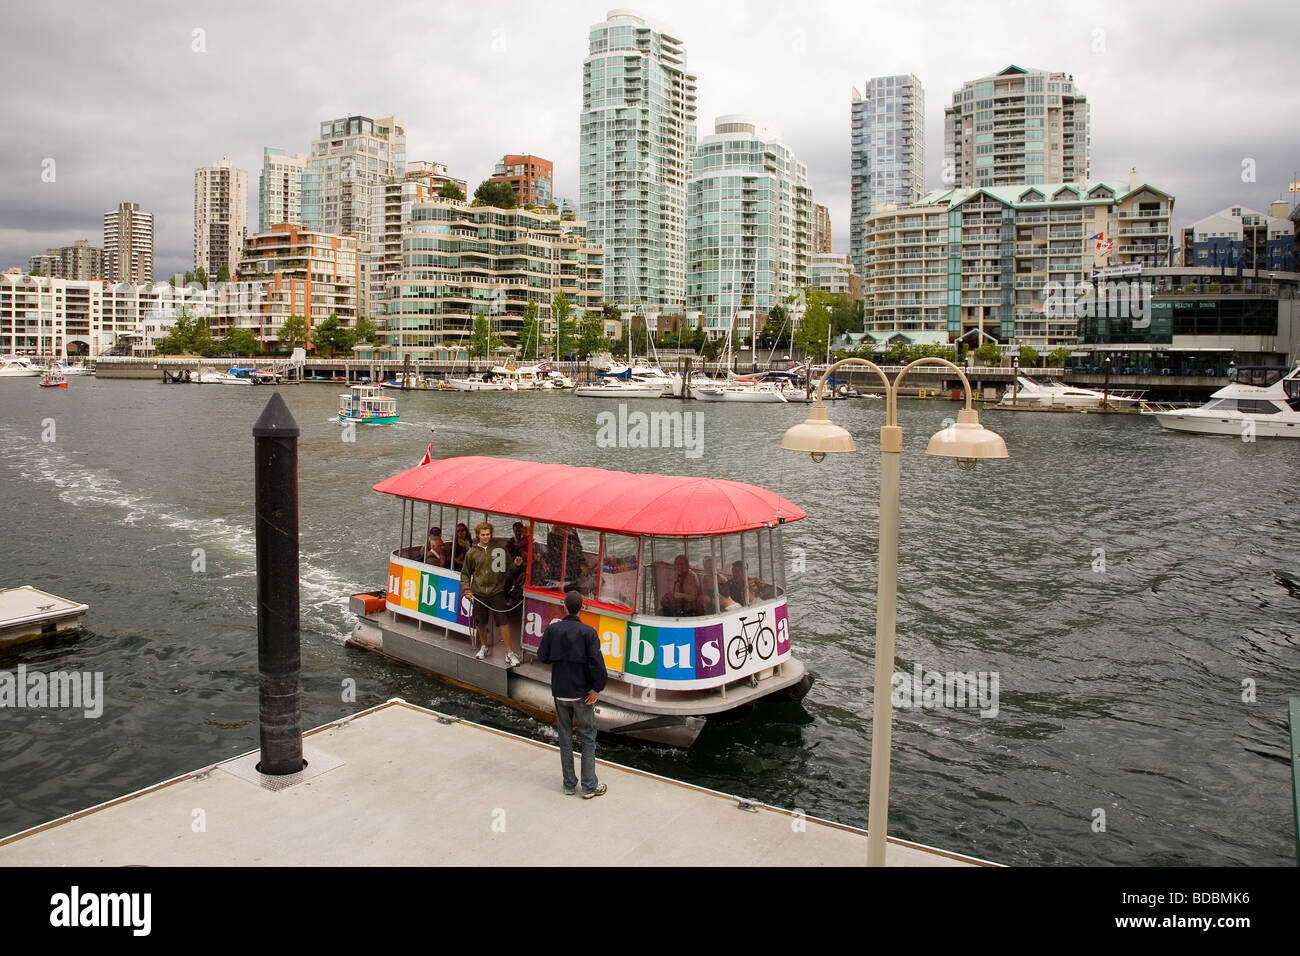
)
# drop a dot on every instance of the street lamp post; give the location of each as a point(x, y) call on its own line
point(968, 442)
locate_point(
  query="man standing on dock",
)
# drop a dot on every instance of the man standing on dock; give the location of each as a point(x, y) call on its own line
point(577, 676)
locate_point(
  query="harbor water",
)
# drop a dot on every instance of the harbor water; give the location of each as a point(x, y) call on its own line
point(1128, 599)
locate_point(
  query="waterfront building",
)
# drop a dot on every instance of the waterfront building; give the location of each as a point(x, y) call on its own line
point(821, 230)
point(460, 262)
point(1199, 319)
point(80, 260)
point(1240, 239)
point(637, 137)
point(352, 155)
point(980, 264)
point(220, 217)
point(531, 177)
point(301, 272)
point(1017, 126)
point(279, 188)
point(834, 274)
point(390, 214)
point(128, 244)
point(85, 318)
point(887, 160)
point(749, 225)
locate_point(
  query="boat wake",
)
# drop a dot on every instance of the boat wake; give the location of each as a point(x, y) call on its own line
point(228, 545)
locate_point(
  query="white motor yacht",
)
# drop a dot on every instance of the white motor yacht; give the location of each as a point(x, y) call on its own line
point(12, 366)
point(738, 390)
point(1049, 393)
point(617, 388)
point(487, 382)
point(1257, 402)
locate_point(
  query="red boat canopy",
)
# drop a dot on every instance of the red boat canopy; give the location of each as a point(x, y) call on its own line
point(593, 497)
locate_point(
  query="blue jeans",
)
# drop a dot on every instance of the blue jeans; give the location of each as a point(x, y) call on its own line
point(565, 711)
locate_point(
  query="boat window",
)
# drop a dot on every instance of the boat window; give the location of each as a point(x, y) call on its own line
point(581, 561)
point(462, 536)
point(618, 564)
point(731, 573)
point(672, 585)
point(1256, 408)
point(758, 567)
point(560, 554)
point(778, 561)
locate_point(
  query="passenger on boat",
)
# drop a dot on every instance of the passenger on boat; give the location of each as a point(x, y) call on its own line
point(518, 543)
point(734, 587)
point(435, 549)
point(484, 579)
point(685, 598)
point(462, 546)
point(578, 675)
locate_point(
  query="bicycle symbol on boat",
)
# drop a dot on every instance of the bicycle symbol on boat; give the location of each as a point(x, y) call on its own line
point(762, 642)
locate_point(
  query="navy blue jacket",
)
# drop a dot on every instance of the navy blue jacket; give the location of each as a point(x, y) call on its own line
point(573, 651)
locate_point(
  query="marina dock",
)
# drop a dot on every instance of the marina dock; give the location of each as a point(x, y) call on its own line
point(27, 613)
point(399, 785)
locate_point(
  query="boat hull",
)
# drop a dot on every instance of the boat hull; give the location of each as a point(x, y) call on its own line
point(603, 391)
point(623, 708)
point(736, 395)
point(1226, 424)
point(376, 420)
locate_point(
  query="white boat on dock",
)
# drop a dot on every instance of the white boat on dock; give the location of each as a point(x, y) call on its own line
point(1257, 402)
point(13, 366)
point(614, 388)
point(27, 613)
point(1049, 393)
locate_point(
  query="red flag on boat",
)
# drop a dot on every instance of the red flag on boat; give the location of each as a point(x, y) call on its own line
point(428, 453)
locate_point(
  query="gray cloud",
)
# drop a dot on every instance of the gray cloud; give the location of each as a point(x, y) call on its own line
point(128, 110)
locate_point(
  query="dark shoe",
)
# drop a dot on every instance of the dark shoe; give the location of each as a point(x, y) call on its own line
point(570, 791)
point(599, 791)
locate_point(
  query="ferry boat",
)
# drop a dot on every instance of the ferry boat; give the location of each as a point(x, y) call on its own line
point(677, 652)
point(53, 378)
point(1258, 401)
point(367, 405)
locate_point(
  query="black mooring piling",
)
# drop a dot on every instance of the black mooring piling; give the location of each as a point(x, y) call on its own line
point(279, 657)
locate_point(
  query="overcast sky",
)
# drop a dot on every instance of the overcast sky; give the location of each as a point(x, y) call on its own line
point(116, 95)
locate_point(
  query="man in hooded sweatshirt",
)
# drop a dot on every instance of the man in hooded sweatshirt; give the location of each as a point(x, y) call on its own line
point(577, 676)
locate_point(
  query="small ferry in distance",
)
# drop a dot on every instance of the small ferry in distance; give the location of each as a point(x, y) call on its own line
point(1258, 402)
point(53, 378)
point(367, 405)
point(683, 580)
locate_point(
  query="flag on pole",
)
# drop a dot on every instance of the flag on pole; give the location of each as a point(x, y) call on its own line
point(1097, 236)
point(428, 453)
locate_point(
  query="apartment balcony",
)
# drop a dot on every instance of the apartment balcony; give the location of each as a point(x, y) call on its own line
point(1145, 214)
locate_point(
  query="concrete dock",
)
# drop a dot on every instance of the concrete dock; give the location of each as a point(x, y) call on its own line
point(399, 785)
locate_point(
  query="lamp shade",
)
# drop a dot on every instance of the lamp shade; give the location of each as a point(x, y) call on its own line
point(818, 435)
point(967, 440)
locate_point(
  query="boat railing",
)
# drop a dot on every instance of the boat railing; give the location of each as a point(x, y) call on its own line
point(1156, 408)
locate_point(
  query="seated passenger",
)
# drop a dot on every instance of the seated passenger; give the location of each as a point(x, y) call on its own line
point(462, 545)
point(685, 598)
point(517, 545)
point(734, 586)
point(435, 549)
